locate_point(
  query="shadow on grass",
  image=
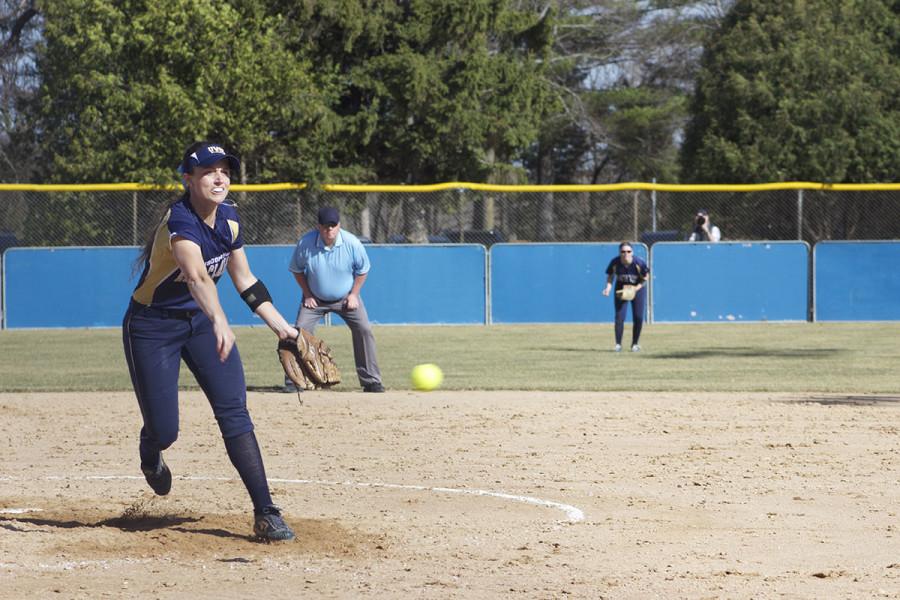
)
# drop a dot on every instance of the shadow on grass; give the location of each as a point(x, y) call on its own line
point(855, 400)
point(749, 352)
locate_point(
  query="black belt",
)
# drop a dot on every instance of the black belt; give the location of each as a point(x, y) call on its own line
point(163, 313)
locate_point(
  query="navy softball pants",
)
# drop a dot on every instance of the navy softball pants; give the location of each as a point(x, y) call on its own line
point(156, 340)
point(638, 308)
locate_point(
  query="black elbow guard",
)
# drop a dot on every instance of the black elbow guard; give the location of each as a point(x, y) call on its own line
point(255, 295)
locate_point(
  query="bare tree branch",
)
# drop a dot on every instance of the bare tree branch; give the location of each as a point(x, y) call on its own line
point(28, 12)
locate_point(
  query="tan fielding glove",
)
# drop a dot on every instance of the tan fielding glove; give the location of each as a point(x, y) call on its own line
point(308, 362)
point(627, 292)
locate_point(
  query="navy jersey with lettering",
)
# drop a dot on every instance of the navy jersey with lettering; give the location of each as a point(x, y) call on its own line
point(632, 274)
point(162, 283)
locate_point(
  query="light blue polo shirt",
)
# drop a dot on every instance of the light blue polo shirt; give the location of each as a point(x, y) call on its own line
point(330, 271)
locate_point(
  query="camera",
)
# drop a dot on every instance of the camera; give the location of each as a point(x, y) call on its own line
point(701, 220)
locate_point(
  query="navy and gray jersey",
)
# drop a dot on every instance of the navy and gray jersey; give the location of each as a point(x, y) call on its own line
point(632, 274)
point(162, 283)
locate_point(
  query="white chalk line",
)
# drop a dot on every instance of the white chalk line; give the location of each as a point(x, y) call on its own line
point(573, 514)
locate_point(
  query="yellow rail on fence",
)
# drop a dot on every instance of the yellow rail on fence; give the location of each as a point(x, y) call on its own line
point(137, 187)
point(463, 185)
point(613, 187)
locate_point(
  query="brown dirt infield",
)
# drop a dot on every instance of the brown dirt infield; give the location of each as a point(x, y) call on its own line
point(462, 495)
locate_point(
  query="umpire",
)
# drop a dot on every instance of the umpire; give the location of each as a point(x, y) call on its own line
point(330, 266)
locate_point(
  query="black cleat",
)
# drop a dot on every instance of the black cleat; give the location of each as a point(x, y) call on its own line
point(373, 387)
point(160, 478)
point(270, 527)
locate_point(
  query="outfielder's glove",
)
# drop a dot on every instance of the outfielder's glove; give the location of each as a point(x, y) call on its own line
point(627, 292)
point(308, 362)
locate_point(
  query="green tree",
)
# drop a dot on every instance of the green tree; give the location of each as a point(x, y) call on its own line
point(431, 90)
point(798, 90)
point(127, 84)
point(642, 124)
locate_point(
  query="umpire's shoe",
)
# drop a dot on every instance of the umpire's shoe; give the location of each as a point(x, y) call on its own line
point(270, 527)
point(376, 387)
point(160, 478)
point(290, 388)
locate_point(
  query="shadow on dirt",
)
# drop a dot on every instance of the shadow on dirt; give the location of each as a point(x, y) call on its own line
point(267, 388)
point(848, 400)
point(123, 523)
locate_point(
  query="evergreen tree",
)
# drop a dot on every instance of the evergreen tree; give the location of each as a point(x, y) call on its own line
point(127, 84)
point(431, 91)
point(797, 90)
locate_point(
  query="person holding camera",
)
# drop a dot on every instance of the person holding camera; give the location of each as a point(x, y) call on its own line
point(704, 230)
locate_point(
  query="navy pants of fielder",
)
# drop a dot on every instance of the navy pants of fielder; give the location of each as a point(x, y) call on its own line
point(156, 341)
point(638, 308)
point(360, 329)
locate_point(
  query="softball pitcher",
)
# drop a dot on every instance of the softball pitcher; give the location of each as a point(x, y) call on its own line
point(175, 314)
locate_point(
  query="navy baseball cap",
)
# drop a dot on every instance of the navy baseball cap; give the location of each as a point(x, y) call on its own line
point(203, 154)
point(703, 212)
point(328, 215)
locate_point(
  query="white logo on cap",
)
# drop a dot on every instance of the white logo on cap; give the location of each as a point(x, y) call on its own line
point(215, 150)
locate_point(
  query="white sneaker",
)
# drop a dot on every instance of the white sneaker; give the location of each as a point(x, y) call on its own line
point(618, 348)
point(635, 348)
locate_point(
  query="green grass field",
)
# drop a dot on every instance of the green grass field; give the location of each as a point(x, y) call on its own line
point(801, 357)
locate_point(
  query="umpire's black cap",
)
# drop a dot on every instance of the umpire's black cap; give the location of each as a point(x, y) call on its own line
point(328, 215)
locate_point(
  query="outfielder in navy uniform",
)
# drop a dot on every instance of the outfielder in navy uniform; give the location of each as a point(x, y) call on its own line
point(175, 314)
point(628, 270)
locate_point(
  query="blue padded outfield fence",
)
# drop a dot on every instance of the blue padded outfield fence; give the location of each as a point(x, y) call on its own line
point(509, 283)
point(90, 287)
point(552, 283)
point(857, 281)
point(730, 281)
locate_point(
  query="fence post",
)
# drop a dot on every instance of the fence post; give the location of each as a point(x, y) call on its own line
point(243, 195)
point(134, 219)
point(462, 234)
point(799, 214)
point(365, 217)
point(653, 205)
point(634, 209)
point(299, 212)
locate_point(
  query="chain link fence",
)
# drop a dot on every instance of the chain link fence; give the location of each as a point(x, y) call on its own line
point(124, 218)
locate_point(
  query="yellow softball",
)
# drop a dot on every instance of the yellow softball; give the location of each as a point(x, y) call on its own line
point(427, 377)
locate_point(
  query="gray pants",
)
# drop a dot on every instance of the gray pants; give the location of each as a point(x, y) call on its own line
point(361, 330)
